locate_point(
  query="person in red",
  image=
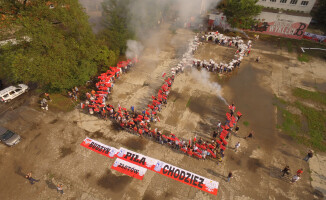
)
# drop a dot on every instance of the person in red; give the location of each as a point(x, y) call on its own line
point(299, 172)
point(232, 109)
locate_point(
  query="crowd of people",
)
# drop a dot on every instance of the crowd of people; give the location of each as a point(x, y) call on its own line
point(242, 50)
point(139, 122)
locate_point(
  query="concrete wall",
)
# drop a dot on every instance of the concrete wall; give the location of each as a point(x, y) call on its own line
point(277, 24)
point(287, 5)
point(282, 24)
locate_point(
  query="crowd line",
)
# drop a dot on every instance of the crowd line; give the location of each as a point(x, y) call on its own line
point(140, 122)
point(220, 39)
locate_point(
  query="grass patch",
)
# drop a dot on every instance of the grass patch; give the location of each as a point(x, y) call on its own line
point(303, 57)
point(188, 103)
point(289, 46)
point(318, 97)
point(308, 129)
point(61, 103)
point(246, 123)
point(316, 124)
point(290, 124)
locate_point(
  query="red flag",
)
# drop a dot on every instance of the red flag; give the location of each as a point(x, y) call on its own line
point(211, 152)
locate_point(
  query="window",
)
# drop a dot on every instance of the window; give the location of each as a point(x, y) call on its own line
point(293, 2)
point(263, 0)
point(273, 1)
point(304, 3)
point(283, 1)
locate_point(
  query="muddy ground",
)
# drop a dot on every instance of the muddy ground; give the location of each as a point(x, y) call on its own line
point(50, 146)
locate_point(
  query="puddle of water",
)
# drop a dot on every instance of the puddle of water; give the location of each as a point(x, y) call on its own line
point(113, 182)
point(100, 135)
point(54, 121)
point(136, 144)
point(255, 103)
point(88, 175)
point(64, 151)
point(253, 164)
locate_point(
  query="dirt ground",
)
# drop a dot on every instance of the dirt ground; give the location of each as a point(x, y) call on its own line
point(50, 145)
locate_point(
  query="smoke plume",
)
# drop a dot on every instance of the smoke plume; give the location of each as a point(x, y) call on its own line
point(203, 77)
point(134, 49)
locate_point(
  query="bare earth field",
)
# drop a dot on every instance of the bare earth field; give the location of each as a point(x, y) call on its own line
point(50, 145)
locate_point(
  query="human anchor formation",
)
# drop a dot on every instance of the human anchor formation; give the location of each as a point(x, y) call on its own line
point(140, 122)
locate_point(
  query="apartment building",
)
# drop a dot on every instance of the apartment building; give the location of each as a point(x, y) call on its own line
point(304, 6)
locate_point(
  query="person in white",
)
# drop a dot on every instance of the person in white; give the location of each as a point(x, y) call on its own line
point(237, 146)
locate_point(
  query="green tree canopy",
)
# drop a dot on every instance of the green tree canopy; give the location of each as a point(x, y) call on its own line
point(115, 21)
point(320, 15)
point(240, 13)
point(62, 51)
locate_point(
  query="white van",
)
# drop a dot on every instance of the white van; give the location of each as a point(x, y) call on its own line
point(9, 93)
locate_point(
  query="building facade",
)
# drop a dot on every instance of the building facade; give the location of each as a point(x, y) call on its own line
point(289, 5)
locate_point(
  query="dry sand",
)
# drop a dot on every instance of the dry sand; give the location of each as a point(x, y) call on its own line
point(50, 146)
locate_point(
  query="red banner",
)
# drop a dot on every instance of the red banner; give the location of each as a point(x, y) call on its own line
point(187, 177)
point(137, 158)
point(129, 169)
point(127, 160)
point(99, 147)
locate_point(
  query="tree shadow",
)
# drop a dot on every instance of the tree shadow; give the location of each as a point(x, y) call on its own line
point(289, 154)
point(50, 184)
point(318, 193)
point(212, 172)
point(276, 173)
point(19, 172)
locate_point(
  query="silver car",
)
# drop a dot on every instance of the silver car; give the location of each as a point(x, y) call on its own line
point(8, 137)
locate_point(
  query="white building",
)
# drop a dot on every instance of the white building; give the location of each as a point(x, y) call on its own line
point(293, 5)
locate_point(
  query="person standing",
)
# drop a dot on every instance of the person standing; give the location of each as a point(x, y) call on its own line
point(309, 155)
point(299, 172)
point(257, 59)
point(59, 188)
point(286, 170)
point(77, 90)
point(295, 178)
point(47, 96)
point(30, 178)
point(251, 134)
point(237, 146)
point(229, 176)
point(236, 129)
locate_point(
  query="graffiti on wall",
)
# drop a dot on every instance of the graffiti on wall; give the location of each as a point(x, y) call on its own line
point(280, 27)
point(314, 37)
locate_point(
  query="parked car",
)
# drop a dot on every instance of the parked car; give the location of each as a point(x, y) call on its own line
point(9, 93)
point(8, 137)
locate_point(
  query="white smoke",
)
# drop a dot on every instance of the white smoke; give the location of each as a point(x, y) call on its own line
point(203, 77)
point(240, 31)
point(134, 49)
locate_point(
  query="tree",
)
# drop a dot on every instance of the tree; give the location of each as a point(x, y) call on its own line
point(240, 13)
point(115, 22)
point(63, 51)
point(320, 15)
